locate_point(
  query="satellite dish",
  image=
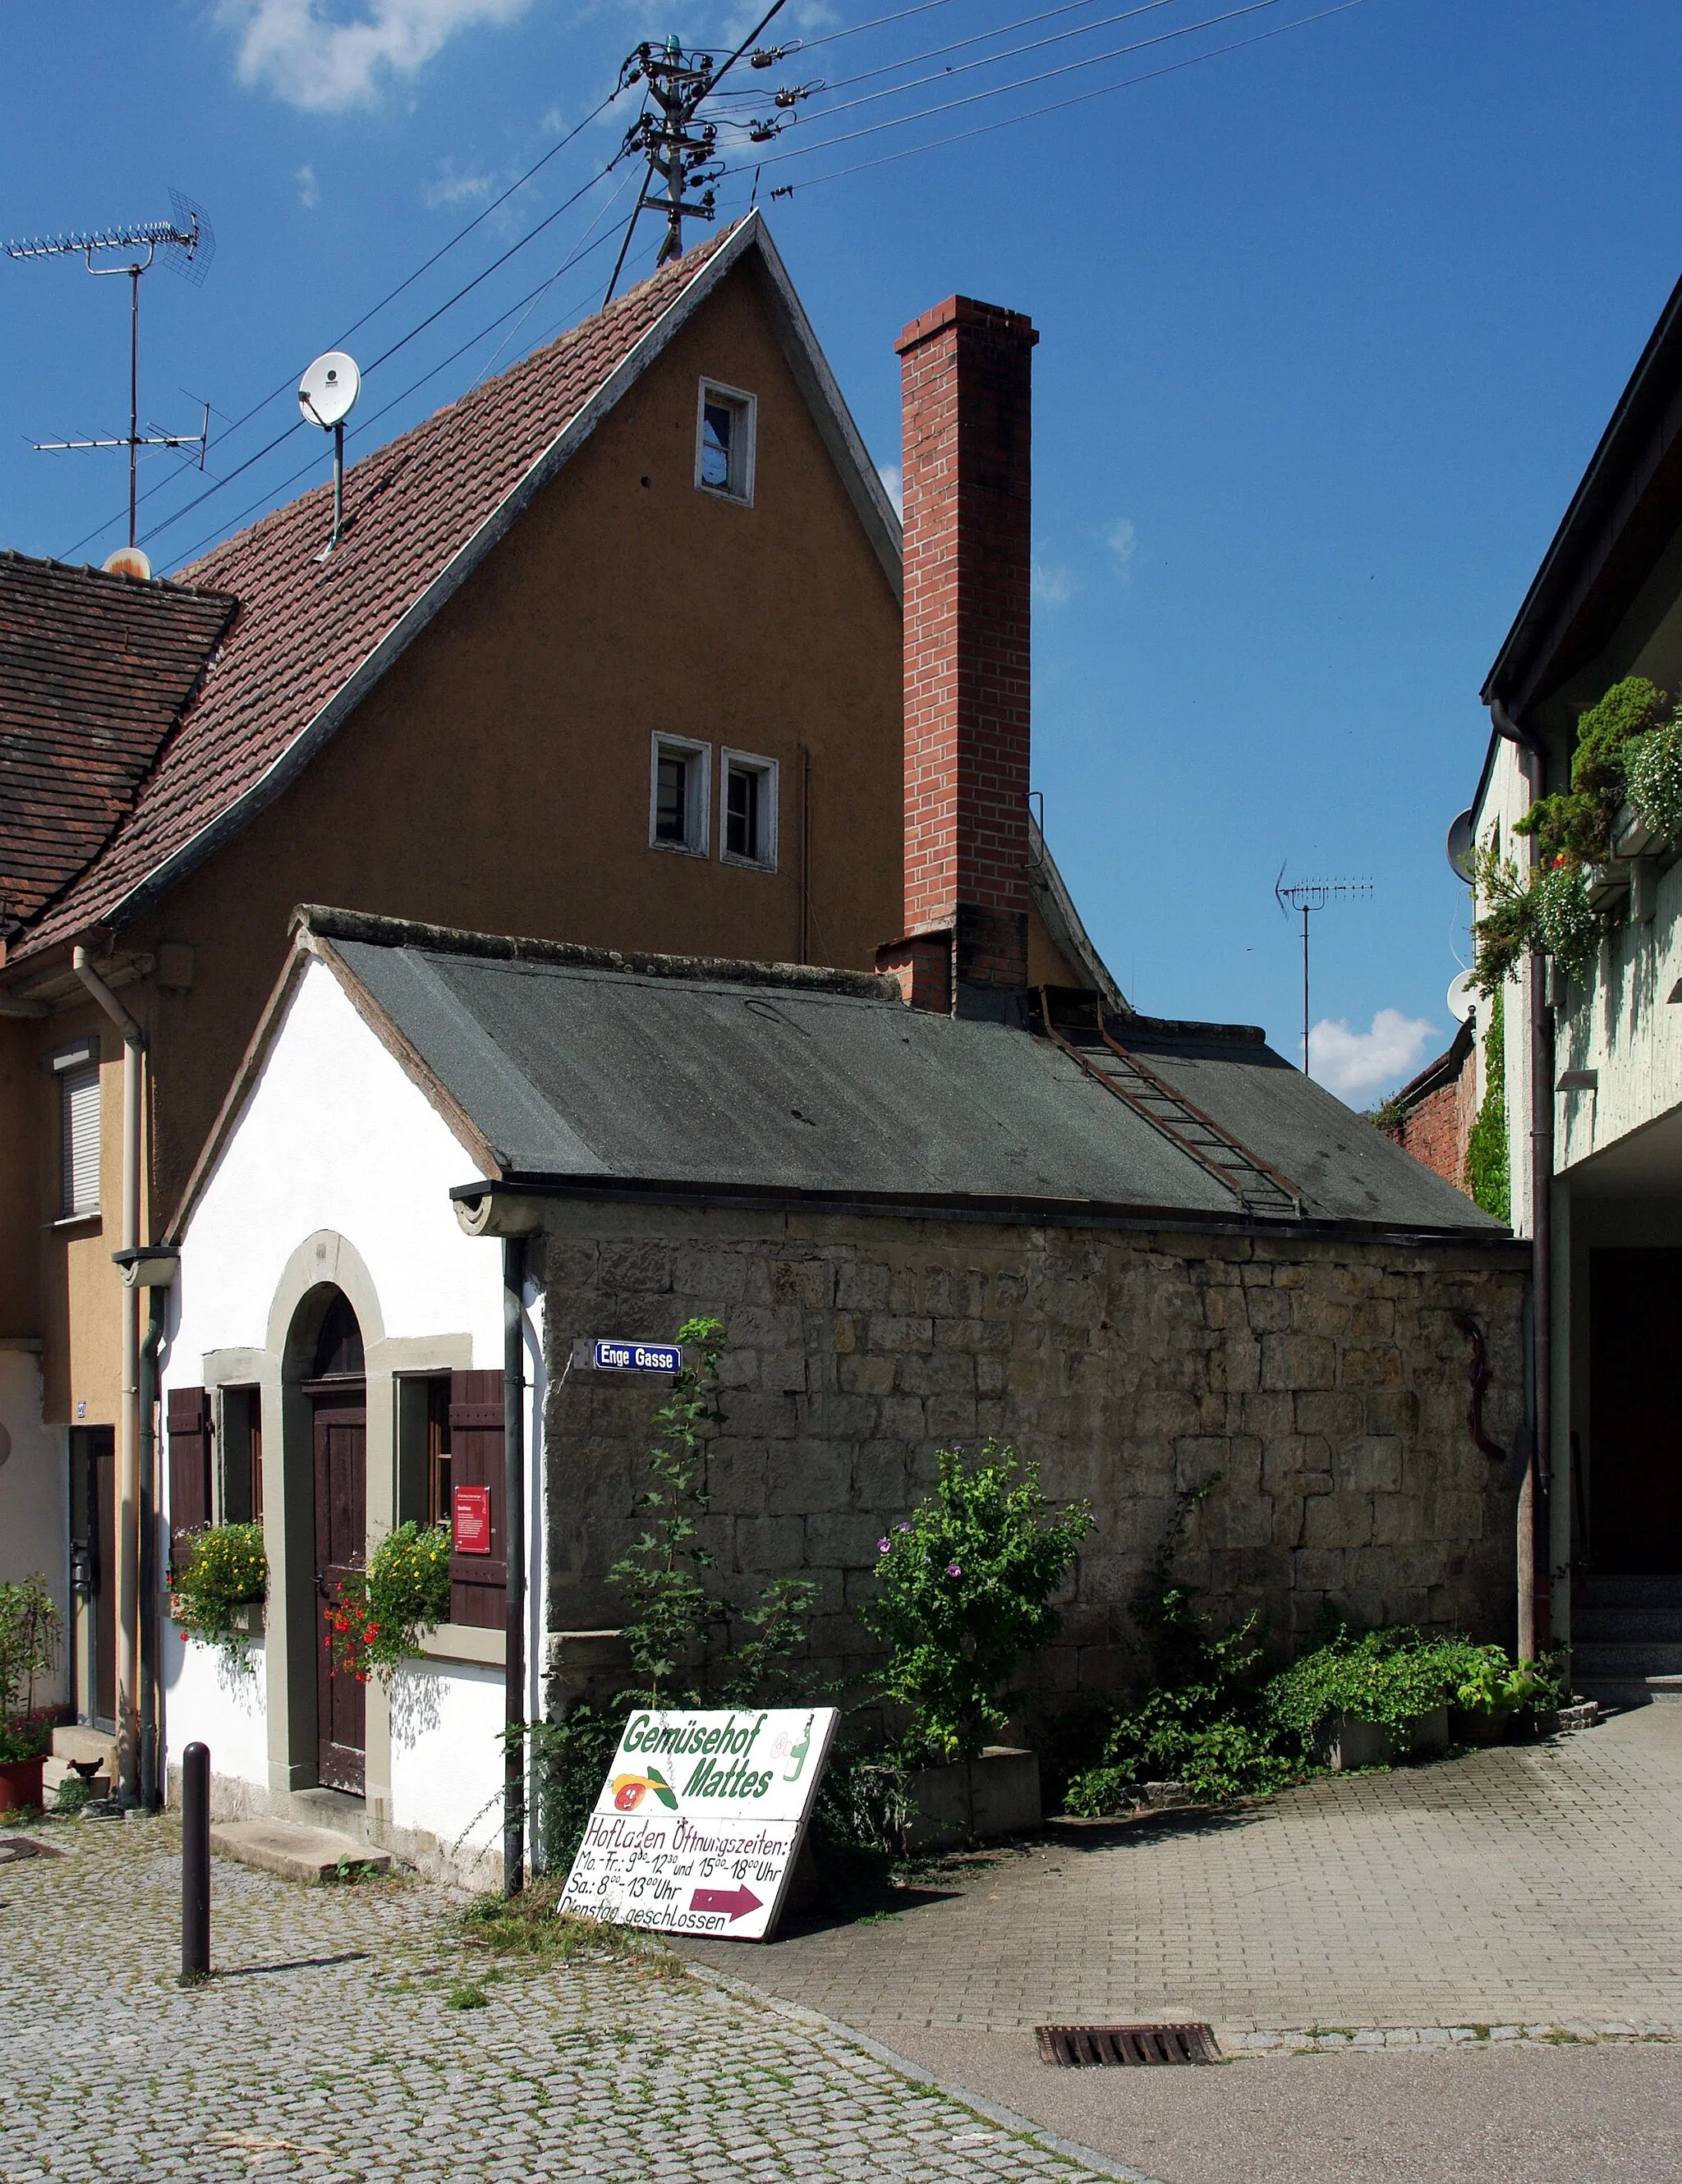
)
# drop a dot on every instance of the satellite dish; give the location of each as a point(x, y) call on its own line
point(128, 561)
point(1462, 996)
point(1461, 845)
point(327, 391)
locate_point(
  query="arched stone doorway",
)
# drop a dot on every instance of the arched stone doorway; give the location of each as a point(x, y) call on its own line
point(325, 1363)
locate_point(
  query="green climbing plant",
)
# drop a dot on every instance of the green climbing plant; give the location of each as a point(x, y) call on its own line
point(1488, 1170)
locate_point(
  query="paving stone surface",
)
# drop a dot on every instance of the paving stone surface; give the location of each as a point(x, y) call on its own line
point(1524, 1890)
point(324, 2047)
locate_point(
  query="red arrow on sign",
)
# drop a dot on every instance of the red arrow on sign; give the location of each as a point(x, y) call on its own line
point(738, 1901)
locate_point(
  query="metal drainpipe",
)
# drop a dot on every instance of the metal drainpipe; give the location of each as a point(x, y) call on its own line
point(156, 1303)
point(128, 1446)
point(1535, 1549)
point(514, 1547)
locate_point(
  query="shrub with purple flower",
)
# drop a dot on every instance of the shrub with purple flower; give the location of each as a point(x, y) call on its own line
point(963, 1599)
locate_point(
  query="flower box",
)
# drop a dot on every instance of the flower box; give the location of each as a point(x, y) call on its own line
point(974, 1800)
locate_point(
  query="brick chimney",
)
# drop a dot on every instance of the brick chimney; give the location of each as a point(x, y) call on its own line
point(966, 393)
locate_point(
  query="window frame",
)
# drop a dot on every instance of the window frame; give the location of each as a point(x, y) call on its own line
point(768, 772)
point(79, 1061)
point(698, 840)
point(744, 445)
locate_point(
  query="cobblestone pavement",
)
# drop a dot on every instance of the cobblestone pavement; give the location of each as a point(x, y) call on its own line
point(324, 2047)
point(1530, 1887)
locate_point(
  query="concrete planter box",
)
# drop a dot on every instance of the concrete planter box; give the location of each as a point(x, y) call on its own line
point(974, 1799)
point(1358, 1743)
point(1475, 1725)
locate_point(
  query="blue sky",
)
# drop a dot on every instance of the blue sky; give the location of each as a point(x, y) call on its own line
point(1330, 324)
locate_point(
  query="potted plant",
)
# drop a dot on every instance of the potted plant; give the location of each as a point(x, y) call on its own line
point(1490, 1698)
point(218, 1583)
point(31, 1629)
point(964, 1604)
point(1367, 1700)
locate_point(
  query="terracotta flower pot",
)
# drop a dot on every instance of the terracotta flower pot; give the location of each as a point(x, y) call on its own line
point(21, 1784)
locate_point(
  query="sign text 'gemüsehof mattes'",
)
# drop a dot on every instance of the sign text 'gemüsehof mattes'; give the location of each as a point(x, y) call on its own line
point(700, 1820)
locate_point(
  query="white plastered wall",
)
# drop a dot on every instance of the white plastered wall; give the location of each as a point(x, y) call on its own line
point(339, 1168)
point(1506, 799)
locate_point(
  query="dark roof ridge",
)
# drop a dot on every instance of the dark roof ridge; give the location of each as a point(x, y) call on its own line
point(325, 922)
point(170, 585)
point(1191, 1030)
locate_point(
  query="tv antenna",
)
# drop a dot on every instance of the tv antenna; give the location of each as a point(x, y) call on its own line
point(327, 394)
point(678, 150)
point(1307, 896)
point(188, 246)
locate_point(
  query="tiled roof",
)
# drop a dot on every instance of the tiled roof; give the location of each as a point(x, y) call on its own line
point(311, 636)
point(94, 672)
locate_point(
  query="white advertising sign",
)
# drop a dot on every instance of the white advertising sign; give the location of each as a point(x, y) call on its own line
point(699, 1820)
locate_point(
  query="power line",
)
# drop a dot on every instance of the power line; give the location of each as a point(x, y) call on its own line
point(390, 297)
point(1021, 83)
point(1055, 106)
point(270, 498)
point(1000, 31)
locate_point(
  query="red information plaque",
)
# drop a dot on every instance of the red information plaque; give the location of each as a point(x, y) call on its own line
point(470, 1520)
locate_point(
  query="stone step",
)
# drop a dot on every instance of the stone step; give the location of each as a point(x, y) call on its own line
point(56, 1771)
point(1595, 1625)
point(86, 1744)
point(1591, 1662)
point(1668, 1689)
point(296, 1853)
point(1600, 1589)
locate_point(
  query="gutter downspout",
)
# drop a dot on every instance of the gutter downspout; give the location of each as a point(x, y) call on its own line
point(149, 1725)
point(514, 1563)
point(128, 1454)
point(1535, 1555)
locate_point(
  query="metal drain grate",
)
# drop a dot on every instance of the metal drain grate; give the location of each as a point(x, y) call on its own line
point(1083, 2046)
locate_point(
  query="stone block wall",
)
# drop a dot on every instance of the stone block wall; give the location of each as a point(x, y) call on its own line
point(1325, 1382)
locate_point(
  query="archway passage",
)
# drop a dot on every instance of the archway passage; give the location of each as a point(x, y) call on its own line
point(338, 1395)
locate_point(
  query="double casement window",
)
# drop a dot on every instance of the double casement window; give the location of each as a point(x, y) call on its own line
point(725, 431)
point(680, 802)
point(78, 1071)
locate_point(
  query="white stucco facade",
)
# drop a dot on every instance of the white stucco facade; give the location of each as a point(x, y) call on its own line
point(336, 1171)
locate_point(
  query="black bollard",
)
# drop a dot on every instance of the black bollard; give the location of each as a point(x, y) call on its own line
point(195, 1862)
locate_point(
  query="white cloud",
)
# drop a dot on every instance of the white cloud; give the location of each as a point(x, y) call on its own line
point(1351, 1063)
point(453, 188)
point(309, 191)
point(1051, 584)
point(305, 57)
point(893, 484)
point(1119, 538)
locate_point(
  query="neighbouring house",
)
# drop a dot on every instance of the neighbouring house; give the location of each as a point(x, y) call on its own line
point(1594, 1062)
point(952, 1199)
point(1431, 1117)
point(610, 651)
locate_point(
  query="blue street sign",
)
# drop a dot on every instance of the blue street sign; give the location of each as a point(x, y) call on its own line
point(608, 1355)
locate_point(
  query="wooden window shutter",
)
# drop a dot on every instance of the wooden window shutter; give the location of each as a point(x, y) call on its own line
point(479, 1583)
point(189, 1431)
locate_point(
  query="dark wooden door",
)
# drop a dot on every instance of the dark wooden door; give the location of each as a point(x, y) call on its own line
point(341, 1532)
point(93, 1529)
point(1634, 1471)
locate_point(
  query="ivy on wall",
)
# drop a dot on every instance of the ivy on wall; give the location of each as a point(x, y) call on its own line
point(1488, 1174)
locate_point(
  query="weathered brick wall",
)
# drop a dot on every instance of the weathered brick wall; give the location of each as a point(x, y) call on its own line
point(1438, 1128)
point(1325, 1383)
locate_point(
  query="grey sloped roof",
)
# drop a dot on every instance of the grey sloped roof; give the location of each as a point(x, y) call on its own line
point(733, 1078)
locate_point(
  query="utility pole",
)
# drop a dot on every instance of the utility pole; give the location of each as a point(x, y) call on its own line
point(1307, 896)
point(677, 146)
point(186, 239)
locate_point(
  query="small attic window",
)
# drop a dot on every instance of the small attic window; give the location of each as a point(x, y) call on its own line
point(724, 441)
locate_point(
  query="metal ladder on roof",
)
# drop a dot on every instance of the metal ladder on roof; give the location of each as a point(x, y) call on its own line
point(1259, 1186)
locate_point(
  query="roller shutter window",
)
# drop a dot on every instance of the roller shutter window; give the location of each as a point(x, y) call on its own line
point(477, 1582)
point(78, 1138)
